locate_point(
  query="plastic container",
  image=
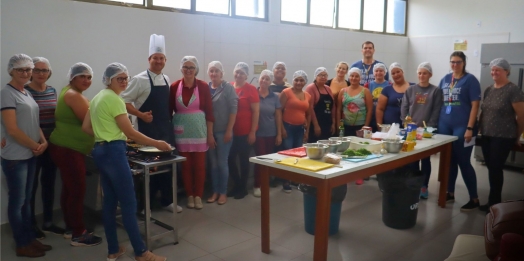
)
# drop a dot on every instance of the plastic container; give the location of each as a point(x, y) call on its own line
point(411, 132)
point(359, 143)
point(420, 133)
point(400, 196)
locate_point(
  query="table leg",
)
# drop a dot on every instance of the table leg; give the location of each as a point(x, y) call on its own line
point(264, 187)
point(175, 200)
point(443, 173)
point(322, 221)
point(147, 210)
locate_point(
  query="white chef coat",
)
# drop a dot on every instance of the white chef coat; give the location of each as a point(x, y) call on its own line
point(139, 87)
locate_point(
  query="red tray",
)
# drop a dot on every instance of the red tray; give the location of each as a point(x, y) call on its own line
point(296, 152)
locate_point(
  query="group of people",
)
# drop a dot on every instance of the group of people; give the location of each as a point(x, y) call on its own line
point(222, 121)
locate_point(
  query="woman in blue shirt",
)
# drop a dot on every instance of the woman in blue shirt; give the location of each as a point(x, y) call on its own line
point(390, 100)
point(458, 117)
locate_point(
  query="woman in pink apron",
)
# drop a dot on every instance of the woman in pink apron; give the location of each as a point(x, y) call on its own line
point(190, 100)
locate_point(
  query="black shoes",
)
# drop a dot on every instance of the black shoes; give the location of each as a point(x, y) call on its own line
point(471, 205)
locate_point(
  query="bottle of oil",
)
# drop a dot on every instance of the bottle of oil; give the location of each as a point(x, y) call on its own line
point(341, 128)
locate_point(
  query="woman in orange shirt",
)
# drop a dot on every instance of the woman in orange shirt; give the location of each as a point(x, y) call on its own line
point(297, 107)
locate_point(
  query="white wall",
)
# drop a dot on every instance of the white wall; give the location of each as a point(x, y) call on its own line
point(433, 26)
point(67, 32)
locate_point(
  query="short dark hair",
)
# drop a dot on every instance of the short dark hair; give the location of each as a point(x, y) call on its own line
point(462, 56)
point(368, 42)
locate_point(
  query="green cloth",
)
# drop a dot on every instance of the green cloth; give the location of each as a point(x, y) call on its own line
point(68, 131)
point(104, 107)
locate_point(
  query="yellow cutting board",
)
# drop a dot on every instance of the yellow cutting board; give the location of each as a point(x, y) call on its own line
point(307, 164)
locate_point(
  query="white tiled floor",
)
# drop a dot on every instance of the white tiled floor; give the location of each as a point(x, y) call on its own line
point(232, 231)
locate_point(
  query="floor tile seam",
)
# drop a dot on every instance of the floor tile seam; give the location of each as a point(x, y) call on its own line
point(213, 253)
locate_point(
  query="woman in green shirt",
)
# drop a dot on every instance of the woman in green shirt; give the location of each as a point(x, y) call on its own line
point(107, 121)
point(68, 147)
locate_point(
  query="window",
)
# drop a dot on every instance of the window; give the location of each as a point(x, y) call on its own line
point(250, 9)
point(383, 16)
point(396, 22)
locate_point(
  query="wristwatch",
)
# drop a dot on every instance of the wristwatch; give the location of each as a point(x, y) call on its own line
point(469, 128)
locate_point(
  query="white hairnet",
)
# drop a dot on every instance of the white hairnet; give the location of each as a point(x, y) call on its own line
point(19, 61)
point(79, 69)
point(319, 70)
point(300, 73)
point(112, 70)
point(42, 60)
point(501, 63)
point(355, 70)
point(268, 73)
point(191, 59)
point(215, 64)
point(242, 66)
point(380, 66)
point(395, 65)
point(425, 65)
point(277, 64)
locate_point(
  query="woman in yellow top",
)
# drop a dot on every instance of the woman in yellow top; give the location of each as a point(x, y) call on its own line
point(68, 147)
point(107, 121)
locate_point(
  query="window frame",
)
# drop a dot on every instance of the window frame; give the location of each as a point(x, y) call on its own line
point(148, 4)
point(337, 13)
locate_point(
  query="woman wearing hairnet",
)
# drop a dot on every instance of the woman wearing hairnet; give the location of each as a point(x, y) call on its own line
point(422, 102)
point(279, 78)
point(244, 131)
point(45, 97)
point(68, 147)
point(225, 103)
point(323, 118)
point(190, 100)
point(107, 121)
point(375, 87)
point(503, 103)
point(458, 117)
point(390, 99)
point(269, 133)
point(297, 107)
point(356, 104)
point(24, 141)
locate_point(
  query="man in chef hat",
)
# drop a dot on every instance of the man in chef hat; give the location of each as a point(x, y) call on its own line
point(147, 98)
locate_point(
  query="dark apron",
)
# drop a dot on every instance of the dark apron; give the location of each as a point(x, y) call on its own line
point(322, 110)
point(157, 102)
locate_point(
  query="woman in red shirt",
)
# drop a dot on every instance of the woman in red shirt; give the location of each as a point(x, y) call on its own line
point(297, 108)
point(244, 130)
point(190, 99)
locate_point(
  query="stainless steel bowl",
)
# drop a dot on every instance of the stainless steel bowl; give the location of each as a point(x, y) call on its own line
point(345, 143)
point(333, 145)
point(393, 146)
point(316, 150)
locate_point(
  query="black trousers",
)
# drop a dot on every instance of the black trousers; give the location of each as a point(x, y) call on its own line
point(496, 151)
point(239, 149)
point(47, 180)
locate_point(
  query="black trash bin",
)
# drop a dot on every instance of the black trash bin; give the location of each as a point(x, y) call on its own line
point(310, 205)
point(400, 196)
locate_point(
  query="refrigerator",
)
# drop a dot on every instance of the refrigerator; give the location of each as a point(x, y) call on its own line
point(514, 54)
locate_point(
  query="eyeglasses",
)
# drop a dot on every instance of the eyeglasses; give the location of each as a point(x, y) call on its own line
point(21, 70)
point(122, 79)
point(455, 62)
point(280, 68)
point(322, 75)
point(41, 71)
point(189, 68)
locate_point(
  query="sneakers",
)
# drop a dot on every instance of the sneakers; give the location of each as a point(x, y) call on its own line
point(38, 233)
point(286, 187)
point(256, 192)
point(449, 198)
point(359, 182)
point(29, 251)
point(198, 203)
point(424, 194)
point(148, 256)
point(471, 205)
point(53, 229)
point(86, 239)
point(114, 257)
point(190, 202)
point(171, 207)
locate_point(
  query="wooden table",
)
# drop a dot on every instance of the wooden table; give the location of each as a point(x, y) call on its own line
point(325, 180)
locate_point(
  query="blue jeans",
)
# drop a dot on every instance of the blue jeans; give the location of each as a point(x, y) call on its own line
point(295, 136)
point(19, 176)
point(425, 169)
point(117, 185)
point(460, 158)
point(219, 165)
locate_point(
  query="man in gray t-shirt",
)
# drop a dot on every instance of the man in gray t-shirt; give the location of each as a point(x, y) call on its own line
point(422, 104)
point(27, 120)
